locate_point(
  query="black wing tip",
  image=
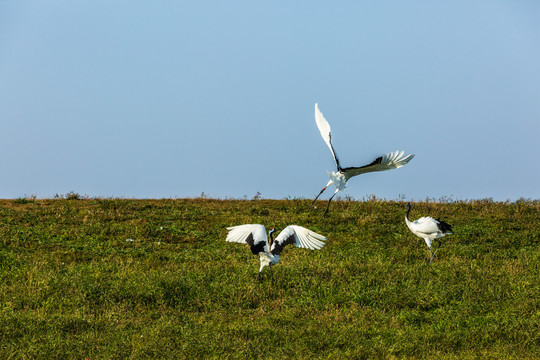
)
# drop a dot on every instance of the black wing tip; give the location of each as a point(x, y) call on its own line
point(377, 161)
point(444, 226)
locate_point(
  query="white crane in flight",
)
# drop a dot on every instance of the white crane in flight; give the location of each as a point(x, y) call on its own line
point(340, 177)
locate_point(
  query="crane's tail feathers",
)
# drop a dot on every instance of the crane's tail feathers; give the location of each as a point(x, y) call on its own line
point(444, 227)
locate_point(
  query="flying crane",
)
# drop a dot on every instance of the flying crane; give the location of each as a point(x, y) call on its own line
point(339, 178)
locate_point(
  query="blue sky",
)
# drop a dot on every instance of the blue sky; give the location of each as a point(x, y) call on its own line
point(171, 99)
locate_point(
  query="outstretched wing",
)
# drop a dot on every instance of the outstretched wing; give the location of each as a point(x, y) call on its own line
point(300, 237)
point(326, 133)
point(252, 234)
point(388, 161)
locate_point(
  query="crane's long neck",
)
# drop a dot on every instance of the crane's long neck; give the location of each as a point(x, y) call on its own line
point(271, 235)
point(407, 216)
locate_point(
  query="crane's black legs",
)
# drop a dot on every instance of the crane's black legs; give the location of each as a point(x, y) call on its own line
point(327, 206)
point(313, 202)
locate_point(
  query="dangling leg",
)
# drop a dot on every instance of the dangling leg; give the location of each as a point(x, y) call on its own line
point(327, 206)
point(430, 255)
point(272, 274)
point(258, 277)
point(324, 188)
point(313, 202)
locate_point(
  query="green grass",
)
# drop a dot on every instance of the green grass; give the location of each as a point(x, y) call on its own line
point(73, 287)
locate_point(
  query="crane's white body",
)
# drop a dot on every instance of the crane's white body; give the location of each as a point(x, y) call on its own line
point(255, 236)
point(428, 229)
point(339, 178)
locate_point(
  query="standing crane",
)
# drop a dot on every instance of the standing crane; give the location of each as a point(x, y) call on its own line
point(255, 236)
point(339, 178)
point(428, 229)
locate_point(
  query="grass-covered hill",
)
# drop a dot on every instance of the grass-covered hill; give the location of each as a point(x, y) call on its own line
point(149, 279)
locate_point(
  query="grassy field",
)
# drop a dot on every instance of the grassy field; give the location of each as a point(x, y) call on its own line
point(149, 279)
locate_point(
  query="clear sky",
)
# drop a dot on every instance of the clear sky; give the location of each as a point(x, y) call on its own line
point(164, 99)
